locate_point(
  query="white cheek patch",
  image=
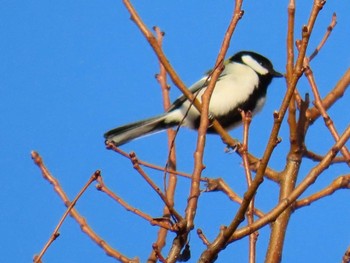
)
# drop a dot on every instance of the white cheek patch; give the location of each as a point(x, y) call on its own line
point(249, 61)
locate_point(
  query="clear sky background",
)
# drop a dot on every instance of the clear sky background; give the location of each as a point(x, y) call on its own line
point(70, 70)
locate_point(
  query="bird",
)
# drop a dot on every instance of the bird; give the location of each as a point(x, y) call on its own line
point(242, 85)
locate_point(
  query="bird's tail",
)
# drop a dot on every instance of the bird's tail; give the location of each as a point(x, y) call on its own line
point(134, 130)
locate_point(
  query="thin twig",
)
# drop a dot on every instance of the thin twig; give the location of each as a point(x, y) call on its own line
point(203, 237)
point(288, 179)
point(161, 222)
point(218, 184)
point(171, 160)
point(341, 182)
point(158, 253)
point(204, 121)
point(317, 157)
point(289, 175)
point(55, 233)
point(299, 190)
point(336, 93)
point(325, 37)
point(111, 146)
point(318, 104)
point(246, 119)
point(73, 212)
point(164, 198)
point(172, 73)
point(346, 257)
point(254, 164)
point(222, 240)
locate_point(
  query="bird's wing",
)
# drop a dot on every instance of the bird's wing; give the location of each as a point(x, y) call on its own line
point(199, 85)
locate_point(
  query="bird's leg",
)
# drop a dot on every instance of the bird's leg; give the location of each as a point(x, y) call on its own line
point(230, 149)
point(211, 118)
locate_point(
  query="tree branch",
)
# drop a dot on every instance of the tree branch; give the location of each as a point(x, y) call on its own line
point(341, 182)
point(74, 213)
point(299, 190)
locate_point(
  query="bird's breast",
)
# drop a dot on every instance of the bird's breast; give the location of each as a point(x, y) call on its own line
point(233, 90)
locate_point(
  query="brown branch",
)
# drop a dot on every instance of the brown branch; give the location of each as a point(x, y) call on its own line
point(73, 212)
point(158, 253)
point(172, 73)
point(222, 239)
point(290, 40)
point(219, 184)
point(342, 182)
point(246, 119)
point(279, 226)
point(292, 123)
point(346, 257)
point(213, 184)
point(171, 161)
point(336, 93)
point(204, 121)
point(325, 37)
point(164, 198)
point(254, 164)
point(202, 237)
point(70, 206)
point(161, 222)
point(318, 104)
point(289, 68)
point(287, 183)
point(110, 146)
point(289, 175)
point(317, 157)
point(298, 70)
point(299, 190)
point(290, 49)
point(302, 125)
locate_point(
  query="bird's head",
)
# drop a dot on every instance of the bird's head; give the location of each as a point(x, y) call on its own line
point(261, 65)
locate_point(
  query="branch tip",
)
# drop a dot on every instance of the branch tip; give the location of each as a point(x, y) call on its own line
point(36, 157)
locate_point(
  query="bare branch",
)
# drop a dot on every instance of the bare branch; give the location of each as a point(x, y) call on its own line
point(219, 184)
point(73, 212)
point(325, 37)
point(70, 206)
point(203, 237)
point(204, 121)
point(317, 157)
point(172, 73)
point(341, 182)
point(336, 93)
point(346, 257)
point(308, 180)
point(111, 146)
point(318, 104)
point(158, 253)
point(164, 198)
point(288, 176)
point(162, 222)
point(246, 119)
point(171, 160)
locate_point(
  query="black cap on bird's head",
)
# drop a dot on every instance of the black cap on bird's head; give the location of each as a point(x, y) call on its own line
point(260, 64)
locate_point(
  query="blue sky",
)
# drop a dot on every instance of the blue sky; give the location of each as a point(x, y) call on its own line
point(70, 70)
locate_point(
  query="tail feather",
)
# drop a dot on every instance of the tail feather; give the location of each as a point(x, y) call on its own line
point(128, 132)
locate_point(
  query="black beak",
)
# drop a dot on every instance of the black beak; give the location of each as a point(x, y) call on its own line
point(276, 74)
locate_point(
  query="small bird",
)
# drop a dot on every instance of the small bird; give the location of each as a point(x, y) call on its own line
point(242, 85)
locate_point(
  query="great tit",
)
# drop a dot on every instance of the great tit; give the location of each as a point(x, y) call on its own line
point(241, 85)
